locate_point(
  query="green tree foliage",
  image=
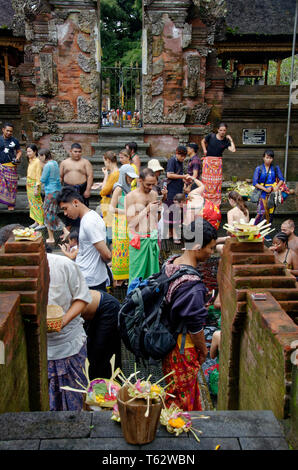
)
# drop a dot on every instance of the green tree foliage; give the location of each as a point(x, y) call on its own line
point(285, 71)
point(121, 30)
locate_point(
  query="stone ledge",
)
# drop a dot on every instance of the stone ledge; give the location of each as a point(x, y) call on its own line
point(66, 430)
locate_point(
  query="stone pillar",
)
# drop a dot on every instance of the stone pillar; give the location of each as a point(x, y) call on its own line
point(60, 56)
point(24, 270)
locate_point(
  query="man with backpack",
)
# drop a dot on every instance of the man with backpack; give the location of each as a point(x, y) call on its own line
point(163, 317)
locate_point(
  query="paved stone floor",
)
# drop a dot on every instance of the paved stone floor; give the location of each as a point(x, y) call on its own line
point(231, 430)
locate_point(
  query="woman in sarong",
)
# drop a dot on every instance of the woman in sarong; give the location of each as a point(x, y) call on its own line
point(51, 179)
point(213, 146)
point(186, 297)
point(268, 178)
point(120, 251)
point(111, 176)
point(33, 187)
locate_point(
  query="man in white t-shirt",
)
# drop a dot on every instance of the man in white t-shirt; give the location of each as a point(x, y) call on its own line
point(93, 252)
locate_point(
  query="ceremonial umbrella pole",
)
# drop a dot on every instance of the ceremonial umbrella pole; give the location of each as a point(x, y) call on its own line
point(98, 63)
point(290, 93)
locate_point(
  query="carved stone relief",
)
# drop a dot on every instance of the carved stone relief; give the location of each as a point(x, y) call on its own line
point(193, 76)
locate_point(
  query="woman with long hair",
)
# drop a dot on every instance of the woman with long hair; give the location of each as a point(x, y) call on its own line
point(33, 187)
point(269, 179)
point(283, 254)
point(51, 179)
point(239, 209)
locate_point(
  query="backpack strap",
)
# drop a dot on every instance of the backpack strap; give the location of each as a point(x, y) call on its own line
point(138, 301)
point(183, 339)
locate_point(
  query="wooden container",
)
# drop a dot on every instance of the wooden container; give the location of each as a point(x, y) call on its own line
point(54, 318)
point(136, 428)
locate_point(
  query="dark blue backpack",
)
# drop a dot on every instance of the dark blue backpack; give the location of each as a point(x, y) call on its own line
point(143, 319)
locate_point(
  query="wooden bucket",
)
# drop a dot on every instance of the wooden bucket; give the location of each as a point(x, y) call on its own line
point(136, 428)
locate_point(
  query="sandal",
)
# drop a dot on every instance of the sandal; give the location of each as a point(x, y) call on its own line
point(177, 241)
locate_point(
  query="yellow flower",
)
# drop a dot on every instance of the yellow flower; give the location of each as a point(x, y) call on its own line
point(177, 423)
point(99, 398)
point(155, 389)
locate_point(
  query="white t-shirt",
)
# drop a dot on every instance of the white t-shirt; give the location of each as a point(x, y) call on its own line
point(92, 230)
point(66, 285)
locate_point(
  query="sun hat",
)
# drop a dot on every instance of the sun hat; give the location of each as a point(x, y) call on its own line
point(154, 165)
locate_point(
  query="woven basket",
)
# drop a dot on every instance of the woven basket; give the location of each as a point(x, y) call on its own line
point(54, 318)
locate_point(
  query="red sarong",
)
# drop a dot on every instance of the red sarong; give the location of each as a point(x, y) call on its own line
point(8, 185)
point(212, 179)
point(185, 384)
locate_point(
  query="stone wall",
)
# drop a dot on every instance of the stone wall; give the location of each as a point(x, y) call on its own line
point(258, 337)
point(24, 271)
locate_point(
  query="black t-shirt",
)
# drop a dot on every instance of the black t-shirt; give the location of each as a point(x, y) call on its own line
point(8, 149)
point(216, 147)
point(174, 186)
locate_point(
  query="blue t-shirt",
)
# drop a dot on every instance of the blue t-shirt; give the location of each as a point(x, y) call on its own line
point(8, 149)
point(174, 186)
point(51, 177)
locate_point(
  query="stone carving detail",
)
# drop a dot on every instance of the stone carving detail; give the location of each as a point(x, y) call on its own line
point(87, 110)
point(64, 111)
point(46, 85)
point(86, 21)
point(193, 76)
point(157, 86)
point(158, 66)
point(84, 43)
point(186, 35)
point(84, 62)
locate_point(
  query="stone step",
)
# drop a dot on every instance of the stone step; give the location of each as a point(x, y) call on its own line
point(18, 271)
point(253, 258)
point(287, 306)
point(23, 259)
point(264, 282)
point(280, 294)
point(17, 284)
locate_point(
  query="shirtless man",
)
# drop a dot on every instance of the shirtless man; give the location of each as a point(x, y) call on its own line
point(142, 207)
point(77, 172)
point(288, 227)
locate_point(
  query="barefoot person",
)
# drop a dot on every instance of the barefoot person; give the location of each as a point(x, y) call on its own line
point(213, 146)
point(141, 206)
point(10, 155)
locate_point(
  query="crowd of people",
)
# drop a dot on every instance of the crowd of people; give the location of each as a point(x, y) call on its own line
point(120, 242)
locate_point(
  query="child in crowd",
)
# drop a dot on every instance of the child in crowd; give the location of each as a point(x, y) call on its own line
point(71, 248)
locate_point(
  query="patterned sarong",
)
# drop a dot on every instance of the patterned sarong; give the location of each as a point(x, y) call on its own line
point(143, 255)
point(212, 179)
point(8, 185)
point(50, 208)
point(65, 372)
point(120, 250)
point(184, 381)
point(35, 202)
